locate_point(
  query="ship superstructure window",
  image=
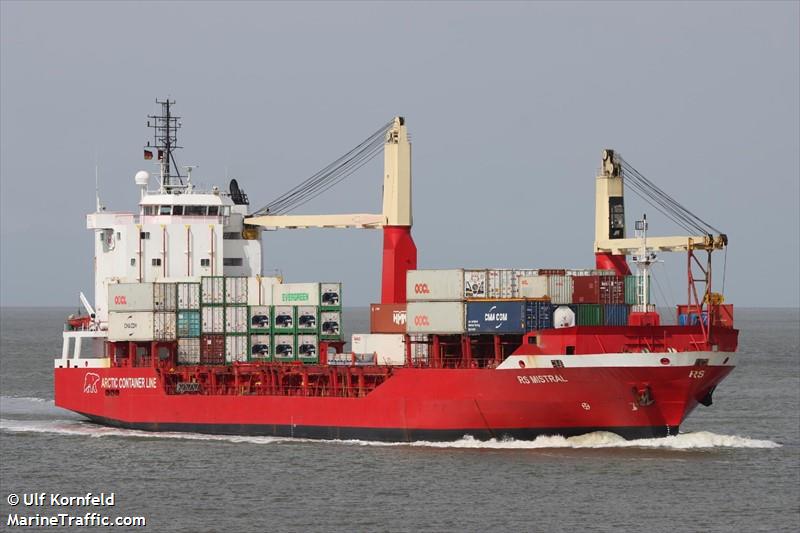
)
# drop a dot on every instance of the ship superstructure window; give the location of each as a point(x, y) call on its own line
point(232, 235)
point(150, 210)
point(165, 210)
point(177, 209)
point(213, 210)
point(194, 210)
point(205, 262)
point(232, 261)
point(144, 234)
point(157, 262)
point(133, 261)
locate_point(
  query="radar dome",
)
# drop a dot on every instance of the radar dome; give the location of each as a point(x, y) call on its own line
point(141, 178)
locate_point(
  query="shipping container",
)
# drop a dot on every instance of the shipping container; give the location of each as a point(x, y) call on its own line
point(212, 290)
point(212, 319)
point(283, 347)
point(722, 315)
point(615, 314)
point(126, 297)
point(496, 317)
point(165, 296)
point(519, 275)
point(501, 283)
point(632, 287)
point(235, 319)
point(387, 318)
point(586, 289)
point(559, 288)
point(435, 285)
point(236, 290)
point(475, 284)
point(420, 344)
point(260, 318)
point(308, 348)
point(612, 289)
point(533, 287)
point(330, 325)
point(330, 295)
point(389, 348)
point(563, 316)
point(260, 347)
point(189, 296)
point(283, 319)
point(589, 314)
point(164, 326)
point(435, 317)
point(212, 349)
point(307, 318)
point(538, 315)
point(188, 324)
point(189, 351)
point(259, 289)
point(296, 294)
point(132, 326)
point(236, 348)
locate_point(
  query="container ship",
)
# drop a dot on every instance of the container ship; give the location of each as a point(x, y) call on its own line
point(186, 334)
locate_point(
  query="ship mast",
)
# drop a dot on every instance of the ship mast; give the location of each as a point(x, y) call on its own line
point(165, 141)
point(643, 260)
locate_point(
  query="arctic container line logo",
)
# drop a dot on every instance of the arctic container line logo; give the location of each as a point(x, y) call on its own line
point(90, 380)
point(294, 297)
point(421, 288)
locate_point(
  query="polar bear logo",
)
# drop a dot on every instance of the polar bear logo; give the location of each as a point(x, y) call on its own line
point(90, 381)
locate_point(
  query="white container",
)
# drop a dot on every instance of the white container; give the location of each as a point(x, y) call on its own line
point(133, 326)
point(259, 289)
point(307, 318)
point(212, 319)
point(435, 285)
point(165, 296)
point(501, 283)
point(189, 296)
point(533, 287)
point(435, 317)
point(130, 297)
point(475, 283)
point(283, 347)
point(260, 347)
point(419, 347)
point(330, 294)
point(235, 319)
point(563, 317)
point(559, 288)
point(295, 294)
point(236, 290)
point(189, 351)
point(164, 326)
point(260, 317)
point(330, 323)
point(390, 348)
point(212, 290)
point(307, 347)
point(236, 348)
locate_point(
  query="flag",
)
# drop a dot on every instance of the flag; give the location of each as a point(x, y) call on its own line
point(161, 155)
point(148, 154)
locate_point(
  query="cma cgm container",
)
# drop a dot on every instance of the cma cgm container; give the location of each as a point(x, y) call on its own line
point(260, 347)
point(475, 284)
point(533, 287)
point(390, 348)
point(132, 326)
point(236, 348)
point(330, 295)
point(387, 318)
point(236, 290)
point(212, 319)
point(189, 351)
point(235, 319)
point(496, 317)
point(188, 324)
point(330, 325)
point(435, 317)
point(260, 320)
point(538, 315)
point(559, 288)
point(212, 290)
point(283, 319)
point(189, 296)
point(296, 294)
point(212, 349)
point(435, 285)
point(308, 348)
point(307, 317)
point(283, 348)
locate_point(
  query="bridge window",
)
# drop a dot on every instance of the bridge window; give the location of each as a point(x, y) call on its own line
point(213, 210)
point(177, 209)
point(232, 261)
point(165, 210)
point(150, 210)
point(194, 210)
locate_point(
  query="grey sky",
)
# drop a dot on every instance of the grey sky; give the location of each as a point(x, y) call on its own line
point(508, 105)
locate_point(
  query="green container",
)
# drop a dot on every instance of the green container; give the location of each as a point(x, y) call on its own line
point(284, 319)
point(188, 324)
point(284, 348)
point(330, 296)
point(330, 325)
point(307, 348)
point(632, 284)
point(259, 347)
point(589, 315)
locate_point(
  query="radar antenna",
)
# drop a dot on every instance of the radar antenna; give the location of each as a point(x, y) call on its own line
point(165, 141)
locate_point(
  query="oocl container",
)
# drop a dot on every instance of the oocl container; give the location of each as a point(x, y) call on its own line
point(538, 315)
point(212, 349)
point(260, 318)
point(435, 317)
point(212, 290)
point(533, 287)
point(389, 348)
point(236, 290)
point(164, 326)
point(165, 296)
point(475, 284)
point(133, 326)
point(189, 351)
point(435, 285)
point(307, 318)
point(188, 296)
point(496, 317)
point(260, 347)
point(235, 319)
point(387, 318)
point(330, 295)
point(283, 319)
point(559, 288)
point(188, 324)
point(330, 325)
point(586, 289)
point(308, 348)
point(130, 297)
point(236, 348)
point(283, 347)
point(212, 319)
point(296, 294)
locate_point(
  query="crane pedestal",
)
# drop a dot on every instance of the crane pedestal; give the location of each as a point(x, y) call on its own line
point(399, 256)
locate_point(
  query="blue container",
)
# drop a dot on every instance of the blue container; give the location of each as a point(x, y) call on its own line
point(495, 317)
point(692, 319)
point(615, 315)
point(538, 315)
point(188, 324)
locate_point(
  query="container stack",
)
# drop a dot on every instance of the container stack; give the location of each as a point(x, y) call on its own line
point(188, 326)
point(212, 320)
point(142, 312)
point(236, 317)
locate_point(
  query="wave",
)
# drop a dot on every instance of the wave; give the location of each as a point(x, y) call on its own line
point(598, 440)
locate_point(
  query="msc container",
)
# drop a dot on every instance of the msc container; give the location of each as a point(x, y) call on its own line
point(283, 319)
point(559, 288)
point(538, 315)
point(435, 317)
point(260, 347)
point(308, 348)
point(501, 283)
point(212, 290)
point(236, 290)
point(188, 296)
point(390, 348)
point(235, 319)
point(307, 319)
point(130, 297)
point(330, 295)
point(632, 285)
point(236, 348)
point(330, 325)
point(563, 316)
point(495, 317)
point(589, 314)
point(296, 294)
point(260, 320)
point(164, 326)
point(475, 284)
point(387, 318)
point(165, 296)
point(189, 351)
point(615, 314)
point(612, 289)
point(533, 287)
point(435, 285)
point(586, 289)
point(283, 347)
point(212, 319)
point(133, 326)
point(212, 349)
point(188, 324)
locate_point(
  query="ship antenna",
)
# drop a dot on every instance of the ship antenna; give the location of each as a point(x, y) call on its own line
point(99, 206)
point(165, 129)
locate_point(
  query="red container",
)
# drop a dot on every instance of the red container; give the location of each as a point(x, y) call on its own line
point(612, 289)
point(387, 318)
point(586, 289)
point(722, 315)
point(212, 349)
